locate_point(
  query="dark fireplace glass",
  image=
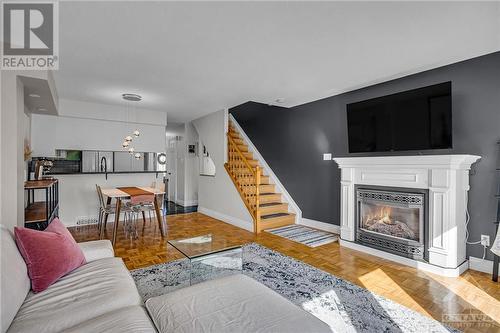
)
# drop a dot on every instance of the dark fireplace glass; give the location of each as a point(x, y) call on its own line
point(382, 218)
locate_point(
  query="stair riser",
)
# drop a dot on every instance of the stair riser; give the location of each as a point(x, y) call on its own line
point(248, 155)
point(242, 148)
point(270, 198)
point(265, 188)
point(268, 188)
point(277, 222)
point(245, 170)
point(264, 179)
point(253, 163)
point(239, 141)
point(283, 208)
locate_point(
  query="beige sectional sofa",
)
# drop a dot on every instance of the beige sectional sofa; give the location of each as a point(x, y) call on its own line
point(101, 296)
point(97, 297)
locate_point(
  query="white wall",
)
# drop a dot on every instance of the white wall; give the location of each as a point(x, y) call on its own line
point(92, 126)
point(78, 196)
point(12, 134)
point(82, 125)
point(217, 196)
point(49, 133)
point(125, 113)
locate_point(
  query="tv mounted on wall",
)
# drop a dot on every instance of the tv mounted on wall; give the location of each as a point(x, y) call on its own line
point(416, 119)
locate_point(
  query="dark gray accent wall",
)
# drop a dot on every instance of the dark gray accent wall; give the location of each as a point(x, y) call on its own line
point(292, 140)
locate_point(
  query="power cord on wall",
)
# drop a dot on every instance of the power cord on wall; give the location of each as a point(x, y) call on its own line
point(467, 220)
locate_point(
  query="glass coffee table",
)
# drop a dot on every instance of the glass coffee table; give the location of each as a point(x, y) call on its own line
point(209, 257)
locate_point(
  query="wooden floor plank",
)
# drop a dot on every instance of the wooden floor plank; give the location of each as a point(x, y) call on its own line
point(432, 295)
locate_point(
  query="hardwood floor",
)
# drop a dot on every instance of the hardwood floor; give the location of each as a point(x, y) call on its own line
point(471, 293)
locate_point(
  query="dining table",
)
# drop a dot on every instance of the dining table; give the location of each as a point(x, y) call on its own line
point(125, 192)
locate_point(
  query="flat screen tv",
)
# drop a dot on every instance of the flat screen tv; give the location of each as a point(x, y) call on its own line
point(417, 119)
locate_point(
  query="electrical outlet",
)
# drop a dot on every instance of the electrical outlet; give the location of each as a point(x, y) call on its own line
point(327, 157)
point(485, 240)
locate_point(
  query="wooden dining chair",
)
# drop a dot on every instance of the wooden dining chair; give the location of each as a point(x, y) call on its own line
point(139, 204)
point(106, 209)
point(161, 198)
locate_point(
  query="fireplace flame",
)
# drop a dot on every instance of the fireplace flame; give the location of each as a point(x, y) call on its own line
point(383, 215)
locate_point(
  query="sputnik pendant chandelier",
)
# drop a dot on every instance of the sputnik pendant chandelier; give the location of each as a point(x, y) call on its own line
point(135, 134)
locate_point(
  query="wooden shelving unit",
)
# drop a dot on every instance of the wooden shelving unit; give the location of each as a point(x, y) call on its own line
point(38, 214)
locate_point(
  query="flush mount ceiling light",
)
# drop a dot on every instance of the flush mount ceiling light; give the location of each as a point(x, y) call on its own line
point(34, 95)
point(132, 97)
point(41, 109)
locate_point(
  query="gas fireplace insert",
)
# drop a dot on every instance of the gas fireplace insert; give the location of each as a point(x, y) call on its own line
point(393, 220)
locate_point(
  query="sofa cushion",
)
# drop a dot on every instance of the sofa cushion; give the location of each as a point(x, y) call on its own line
point(15, 283)
point(95, 250)
point(49, 254)
point(92, 290)
point(129, 319)
point(235, 303)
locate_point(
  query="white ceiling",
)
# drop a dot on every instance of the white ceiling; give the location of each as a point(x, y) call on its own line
point(193, 58)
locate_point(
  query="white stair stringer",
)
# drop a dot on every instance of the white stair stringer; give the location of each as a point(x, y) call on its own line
point(292, 205)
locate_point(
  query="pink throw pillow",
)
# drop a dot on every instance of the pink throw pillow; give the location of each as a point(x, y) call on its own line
point(49, 254)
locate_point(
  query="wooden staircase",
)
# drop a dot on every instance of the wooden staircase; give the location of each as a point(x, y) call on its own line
point(258, 194)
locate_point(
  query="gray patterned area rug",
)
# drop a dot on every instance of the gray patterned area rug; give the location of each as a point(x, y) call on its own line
point(341, 304)
point(304, 235)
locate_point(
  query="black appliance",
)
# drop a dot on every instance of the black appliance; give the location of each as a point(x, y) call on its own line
point(417, 119)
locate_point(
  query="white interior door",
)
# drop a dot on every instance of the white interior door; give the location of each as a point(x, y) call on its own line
point(171, 168)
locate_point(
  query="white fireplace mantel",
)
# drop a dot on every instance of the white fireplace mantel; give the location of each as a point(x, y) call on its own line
point(447, 179)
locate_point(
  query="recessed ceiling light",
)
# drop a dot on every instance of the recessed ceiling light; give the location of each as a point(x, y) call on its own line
point(279, 100)
point(132, 97)
point(34, 95)
point(41, 109)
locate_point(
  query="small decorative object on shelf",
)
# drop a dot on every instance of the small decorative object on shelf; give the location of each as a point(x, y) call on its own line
point(27, 150)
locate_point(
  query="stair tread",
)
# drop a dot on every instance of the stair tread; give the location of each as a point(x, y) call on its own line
point(270, 216)
point(268, 204)
point(268, 193)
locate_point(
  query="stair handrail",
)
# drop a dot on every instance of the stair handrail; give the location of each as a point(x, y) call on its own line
point(256, 172)
point(241, 154)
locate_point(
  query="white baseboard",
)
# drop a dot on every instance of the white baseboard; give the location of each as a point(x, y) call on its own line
point(328, 227)
point(186, 203)
point(481, 265)
point(228, 219)
point(448, 272)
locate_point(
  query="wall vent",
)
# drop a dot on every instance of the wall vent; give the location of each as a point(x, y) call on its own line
point(86, 220)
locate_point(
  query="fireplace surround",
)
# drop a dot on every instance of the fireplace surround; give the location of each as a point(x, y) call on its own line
point(444, 180)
